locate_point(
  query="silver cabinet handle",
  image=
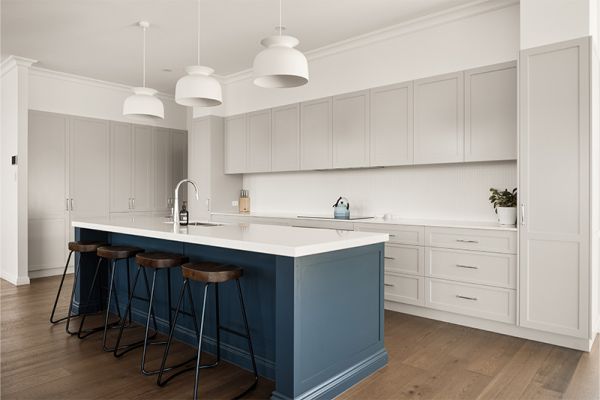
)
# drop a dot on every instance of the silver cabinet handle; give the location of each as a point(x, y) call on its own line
point(133, 203)
point(466, 241)
point(67, 204)
point(71, 204)
point(391, 235)
point(467, 266)
point(208, 204)
point(388, 284)
point(522, 214)
point(466, 297)
point(389, 258)
point(129, 203)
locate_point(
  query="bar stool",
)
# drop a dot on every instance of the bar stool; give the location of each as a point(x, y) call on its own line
point(80, 247)
point(157, 261)
point(112, 254)
point(209, 273)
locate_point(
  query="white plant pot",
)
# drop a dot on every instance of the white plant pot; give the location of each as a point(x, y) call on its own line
point(507, 215)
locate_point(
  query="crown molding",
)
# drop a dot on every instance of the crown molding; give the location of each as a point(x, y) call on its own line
point(402, 29)
point(12, 62)
point(84, 80)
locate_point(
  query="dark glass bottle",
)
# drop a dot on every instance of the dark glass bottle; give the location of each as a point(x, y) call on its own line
point(184, 215)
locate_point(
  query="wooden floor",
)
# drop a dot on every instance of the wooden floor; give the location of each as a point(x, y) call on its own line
point(428, 360)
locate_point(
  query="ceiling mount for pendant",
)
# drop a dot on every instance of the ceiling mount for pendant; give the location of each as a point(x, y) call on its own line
point(198, 88)
point(142, 104)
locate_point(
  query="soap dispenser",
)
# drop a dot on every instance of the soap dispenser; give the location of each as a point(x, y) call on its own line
point(184, 215)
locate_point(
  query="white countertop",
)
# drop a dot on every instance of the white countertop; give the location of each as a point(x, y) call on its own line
point(379, 220)
point(269, 239)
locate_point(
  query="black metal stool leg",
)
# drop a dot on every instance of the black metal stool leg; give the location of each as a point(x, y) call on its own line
point(150, 312)
point(120, 334)
point(148, 294)
point(198, 356)
point(82, 322)
point(218, 323)
point(128, 288)
point(237, 281)
point(62, 280)
point(81, 304)
point(111, 288)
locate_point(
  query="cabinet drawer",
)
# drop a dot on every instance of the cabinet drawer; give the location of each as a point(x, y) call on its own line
point(472, 239)
point(403, 234)
point(407, 289)
point(404, 259)
point(494, 269)
point(474, 300)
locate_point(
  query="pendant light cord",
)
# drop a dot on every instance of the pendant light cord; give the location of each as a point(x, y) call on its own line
point(144, 59)
point(198, 33)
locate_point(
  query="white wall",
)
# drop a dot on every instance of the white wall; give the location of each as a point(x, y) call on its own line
point(76, 95)
point(431, 47)
point(13, 178)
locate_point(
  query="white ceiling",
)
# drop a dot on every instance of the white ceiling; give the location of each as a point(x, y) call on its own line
point(99, 38)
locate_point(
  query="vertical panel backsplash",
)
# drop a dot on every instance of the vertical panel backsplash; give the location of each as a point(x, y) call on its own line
point(448, 191)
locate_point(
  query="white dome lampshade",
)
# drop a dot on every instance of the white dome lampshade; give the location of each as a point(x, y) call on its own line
point(198, 88)
point(143, 104)
point(280, 65)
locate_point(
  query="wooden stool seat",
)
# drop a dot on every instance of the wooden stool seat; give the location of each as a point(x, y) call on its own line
point(85, 247)
point(118, 252)
point(160, 260)
point(211, 272)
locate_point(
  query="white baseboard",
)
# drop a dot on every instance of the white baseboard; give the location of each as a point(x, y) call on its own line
point(15, 280)
point(583, 344)
point(43, 273)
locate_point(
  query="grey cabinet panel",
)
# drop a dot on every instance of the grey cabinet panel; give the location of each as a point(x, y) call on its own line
point(180, 139)
point(491, 113)
point(121, 146)
point(143, 169)
point(235, 144)
point(438, 119)
point(351, 130)
point(163, 166)
point(285, 142)
point(316, 134)
point(392, 125)
point(259, 141)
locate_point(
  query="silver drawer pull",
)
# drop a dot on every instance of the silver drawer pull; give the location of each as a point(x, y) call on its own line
point(467, 266)
point(388, 284)
point(389, 258)
point(466, 241)
point(466, 297)
point(391, 235)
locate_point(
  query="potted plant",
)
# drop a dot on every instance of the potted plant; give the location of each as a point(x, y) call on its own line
point(505, 205)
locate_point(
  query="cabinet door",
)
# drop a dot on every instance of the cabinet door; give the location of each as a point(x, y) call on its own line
point(439, 114)
point(351, 130)
point(163, 166)
point(259, 141)
point(180, 139)
point(121, 145)
point(143, 169)
point(315, 134)
point(392, 125)
point(554, 147)
point(235, 145)
point(47, 190)
point(89, 167)
point(285, 141)
point(491, 113)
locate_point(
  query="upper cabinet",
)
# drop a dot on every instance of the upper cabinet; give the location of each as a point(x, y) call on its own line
point(235, 144)
point(466, 116)
point(491, 113)
point(315, 134)
point(392, 125)
point(259, 141)
point(121, 146)
point(163, 169)
point(285, 138)
point(439, 115)
point(142, 193)
point(351, 130)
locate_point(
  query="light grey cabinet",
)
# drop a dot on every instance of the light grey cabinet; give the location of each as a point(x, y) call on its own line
point(205, 167)
point(163, 168)
point(555, 235)
point(491, 113)
point(285, 138)
point(179, 162)
point(392, 125)
point(438, 119)
point(121, 172)
point(259, 141)
point(316, 134)
point(235, 144)
point(351, 130)
point(142, 193)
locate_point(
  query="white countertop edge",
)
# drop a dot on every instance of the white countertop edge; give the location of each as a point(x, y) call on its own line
point(274, 249)
point(380, 221)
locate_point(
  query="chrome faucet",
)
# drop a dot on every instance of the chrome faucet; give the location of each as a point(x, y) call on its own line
point(176, 205)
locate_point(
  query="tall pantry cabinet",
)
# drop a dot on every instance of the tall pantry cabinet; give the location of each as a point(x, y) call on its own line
point(555, 166)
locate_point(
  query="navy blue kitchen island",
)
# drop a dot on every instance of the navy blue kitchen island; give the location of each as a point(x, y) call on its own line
point(314, 297)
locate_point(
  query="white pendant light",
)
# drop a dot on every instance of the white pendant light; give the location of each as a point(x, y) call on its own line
point(280, 65)
point(198, 88)
point(142, 104)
